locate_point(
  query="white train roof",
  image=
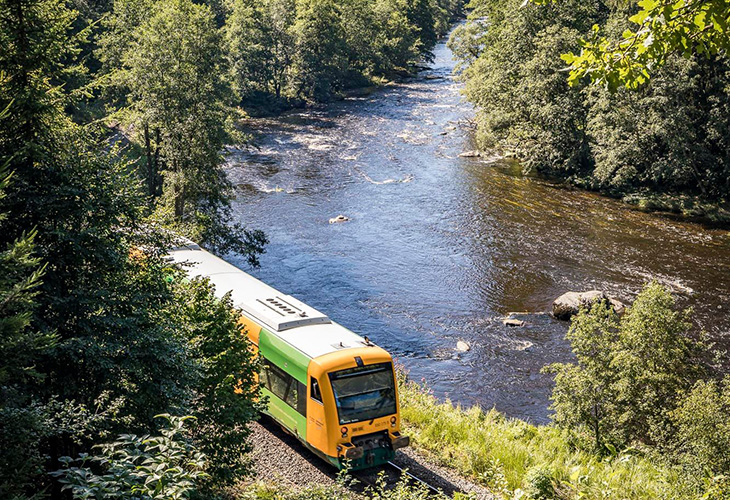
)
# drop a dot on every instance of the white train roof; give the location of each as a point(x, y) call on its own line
point(298, 324)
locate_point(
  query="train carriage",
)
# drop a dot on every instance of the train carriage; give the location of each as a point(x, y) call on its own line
point(331, 388)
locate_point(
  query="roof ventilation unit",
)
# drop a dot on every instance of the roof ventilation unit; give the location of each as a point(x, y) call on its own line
point(282, 312)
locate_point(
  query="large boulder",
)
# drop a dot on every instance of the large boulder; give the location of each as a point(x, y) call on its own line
point(567, 305)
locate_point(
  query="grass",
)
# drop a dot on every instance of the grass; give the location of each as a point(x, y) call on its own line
point(269, 491)
point(522, 461)
point(345, 488)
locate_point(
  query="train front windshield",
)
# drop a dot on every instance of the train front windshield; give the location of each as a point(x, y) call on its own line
point(364, 393)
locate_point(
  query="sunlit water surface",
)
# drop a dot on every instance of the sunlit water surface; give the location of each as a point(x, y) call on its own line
point(440, 248)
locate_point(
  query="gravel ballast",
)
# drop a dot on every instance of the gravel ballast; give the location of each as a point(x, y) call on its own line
point(281, 458)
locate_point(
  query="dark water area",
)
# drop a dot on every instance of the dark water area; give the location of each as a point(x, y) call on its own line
point(440, 248)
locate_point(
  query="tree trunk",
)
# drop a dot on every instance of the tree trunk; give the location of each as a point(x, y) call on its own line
point(179, 195)
point(151, 164)
point(158, 178)
point(596, 429)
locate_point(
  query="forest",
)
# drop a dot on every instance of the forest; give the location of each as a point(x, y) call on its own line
point(660, 142)
point(115, 117)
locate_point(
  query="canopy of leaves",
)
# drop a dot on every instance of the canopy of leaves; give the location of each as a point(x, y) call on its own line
point(659, 28)
point(630, 372)
point(668, 139)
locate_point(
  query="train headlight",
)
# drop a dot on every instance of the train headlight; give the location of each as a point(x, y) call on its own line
point(344, 431)
point(393, 420)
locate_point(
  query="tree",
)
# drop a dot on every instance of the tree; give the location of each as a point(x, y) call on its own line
point(321, 53)
point(397, 42)
point(20, 348)
point(664, 27)
point(260, 45)
point(173, 68)
point(360, 26)
point(422, 14)
point(630, 372)
point(513, 76)
point(669, 136)
point(655, 361)
point(226, 387)
point(702, 427)
point(20, 277)
point(663, 145)
point(584, 392)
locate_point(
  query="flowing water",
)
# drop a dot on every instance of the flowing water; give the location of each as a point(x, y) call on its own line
point(440, 248)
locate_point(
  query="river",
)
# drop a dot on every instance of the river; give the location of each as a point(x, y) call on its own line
point(440, 248)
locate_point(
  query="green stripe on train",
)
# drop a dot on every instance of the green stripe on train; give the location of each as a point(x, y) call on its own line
point(286, 415)
point(288, 358)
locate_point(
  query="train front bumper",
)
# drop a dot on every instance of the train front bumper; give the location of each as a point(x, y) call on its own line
point(371, 451)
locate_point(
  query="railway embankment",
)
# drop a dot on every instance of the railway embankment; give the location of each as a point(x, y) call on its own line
point(286, 470)
point(467, 453)
point(518, 460)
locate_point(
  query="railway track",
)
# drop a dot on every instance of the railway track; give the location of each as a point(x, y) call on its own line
point(278, 455)
point(417, 480)
point(390, 475)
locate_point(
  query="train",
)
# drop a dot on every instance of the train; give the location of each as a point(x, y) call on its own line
point(332, 389)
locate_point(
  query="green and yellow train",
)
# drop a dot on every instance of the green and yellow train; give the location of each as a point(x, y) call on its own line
point(331, 388)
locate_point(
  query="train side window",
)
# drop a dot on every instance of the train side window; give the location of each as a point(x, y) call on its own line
point(284, 387)
point(315, 391)
point(296, 396)
point(301, 398)
point(264, 375)
point(279, 384)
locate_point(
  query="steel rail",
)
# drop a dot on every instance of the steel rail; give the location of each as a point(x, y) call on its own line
point(404, 472)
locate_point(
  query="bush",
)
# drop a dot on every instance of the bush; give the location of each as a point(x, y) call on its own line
point(164, 467)
point(539, 483)
point(718, 489)
point(703, 428)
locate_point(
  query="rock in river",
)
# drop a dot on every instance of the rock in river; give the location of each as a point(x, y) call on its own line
point(470, 154)
point(568, 304)
point(339, 218)
point(513, 322)
point(462, 346)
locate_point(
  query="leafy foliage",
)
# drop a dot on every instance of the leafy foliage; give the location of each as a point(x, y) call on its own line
point(667, 138)
point(313, 50)
point(169, 71)
point(98, 347)
point(629, 372)
point(703, 430)
point(663, 27)
point(20, 345)
point(164, 467)
point(226, 388)
point(583, 393)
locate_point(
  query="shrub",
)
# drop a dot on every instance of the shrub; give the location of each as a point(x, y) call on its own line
point(539, 483)
point(703, 428)
point(718, 489)
point(164, 467)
